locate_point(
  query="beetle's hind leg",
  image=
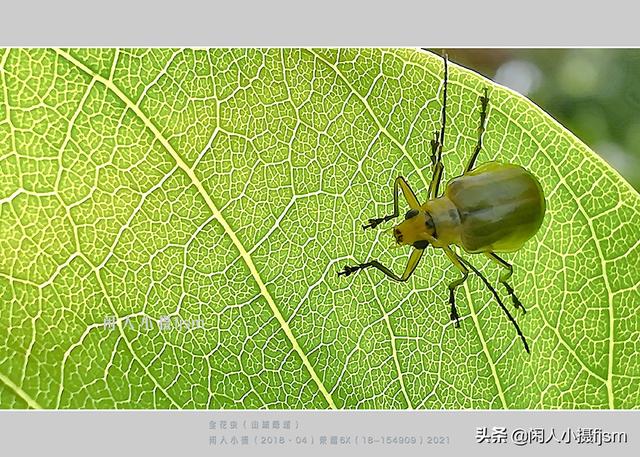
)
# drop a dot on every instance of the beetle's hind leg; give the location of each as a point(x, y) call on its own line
point(411, 198)
point(497, 297)
point(453, 285)
point(484, 101)
point(504, 277)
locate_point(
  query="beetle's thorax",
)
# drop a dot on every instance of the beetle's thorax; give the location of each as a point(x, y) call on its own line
point(446, 220)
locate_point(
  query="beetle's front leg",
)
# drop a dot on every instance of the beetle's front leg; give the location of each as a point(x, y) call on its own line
point(408, 271)
point(454, 284)
point(411, 198)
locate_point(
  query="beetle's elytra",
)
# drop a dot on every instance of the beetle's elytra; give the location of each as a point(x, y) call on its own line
point(493, 208)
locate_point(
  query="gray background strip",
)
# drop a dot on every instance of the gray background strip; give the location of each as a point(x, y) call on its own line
point(406, 433)
point(327, 22)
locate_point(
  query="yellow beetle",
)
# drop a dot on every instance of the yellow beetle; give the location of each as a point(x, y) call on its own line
point(495, 207)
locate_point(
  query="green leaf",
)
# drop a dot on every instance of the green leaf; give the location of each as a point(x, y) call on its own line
point(229, 186)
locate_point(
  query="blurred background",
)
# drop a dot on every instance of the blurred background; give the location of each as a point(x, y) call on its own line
point(595, 93)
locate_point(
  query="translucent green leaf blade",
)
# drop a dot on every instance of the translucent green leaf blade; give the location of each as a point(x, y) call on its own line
point(230, 186)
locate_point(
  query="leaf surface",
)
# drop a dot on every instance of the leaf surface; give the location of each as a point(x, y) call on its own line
point(227, 187)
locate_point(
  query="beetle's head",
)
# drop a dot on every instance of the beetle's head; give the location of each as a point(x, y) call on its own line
point(415, 230)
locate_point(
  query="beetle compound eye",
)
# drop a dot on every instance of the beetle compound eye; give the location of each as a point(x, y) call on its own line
point(479, 212)
point(411, 213)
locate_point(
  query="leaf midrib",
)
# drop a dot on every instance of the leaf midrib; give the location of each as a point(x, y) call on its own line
point(215, 212)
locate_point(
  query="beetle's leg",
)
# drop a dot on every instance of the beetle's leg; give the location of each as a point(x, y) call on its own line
point(416, 254)
point(457, 261)
point(484, 101)
point(438, 141)
point(408, 195)
point(504, 277)
point(497, 297)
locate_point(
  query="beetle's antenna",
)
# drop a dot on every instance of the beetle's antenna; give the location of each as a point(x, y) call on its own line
point(438, 143)
point(495, 294)
point(444, 102)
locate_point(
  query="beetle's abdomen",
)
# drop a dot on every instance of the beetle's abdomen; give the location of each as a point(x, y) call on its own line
point(500, 207)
